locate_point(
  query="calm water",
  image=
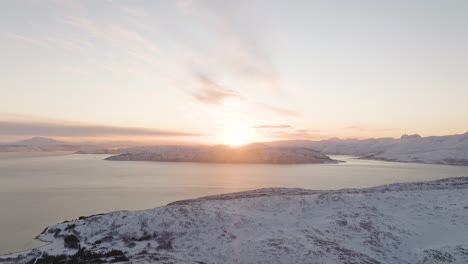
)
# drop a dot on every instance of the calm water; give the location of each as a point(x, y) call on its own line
point(40, 189)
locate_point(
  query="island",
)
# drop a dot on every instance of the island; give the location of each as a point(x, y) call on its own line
point(252, 153)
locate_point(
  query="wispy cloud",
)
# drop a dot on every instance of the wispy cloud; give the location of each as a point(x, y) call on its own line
point(9, 128)
point(234, 49)
point(277, 110)
point(210, 92)
point(273, 126)
point(134, 11)
point(53, 42)
point(296, 134)
point(73, 70)
point(37, 42)
point(184, 5)
point(288, 132)
point(115, 33)
point(75, 5)
point(362, 128)
point(137, 53)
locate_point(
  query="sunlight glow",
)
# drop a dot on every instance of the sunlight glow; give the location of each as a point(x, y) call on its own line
point(236, 135)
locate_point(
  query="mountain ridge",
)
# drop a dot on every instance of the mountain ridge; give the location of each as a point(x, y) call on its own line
point(40, 141)
point(449, 150)
point(252, 153)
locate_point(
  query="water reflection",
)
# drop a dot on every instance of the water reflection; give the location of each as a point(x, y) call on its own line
point(38, 189)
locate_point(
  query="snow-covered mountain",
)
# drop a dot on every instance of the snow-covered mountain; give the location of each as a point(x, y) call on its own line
point(425, 222)
point(451, 149)
point(41, 141)
point(43, 144)
point(253, 153)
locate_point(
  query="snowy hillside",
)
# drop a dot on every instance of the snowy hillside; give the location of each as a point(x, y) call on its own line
point(40, 141)
point(436, 150)
point(416, 223)
point(43, 144)
point(253, 153)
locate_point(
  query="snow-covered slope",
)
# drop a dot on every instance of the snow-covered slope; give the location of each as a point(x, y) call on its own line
point(425, 222)
point(414, 148)
point(40, 141)
point(441, 150)
point(253, 153)
point(42, 144)
point(37, 144)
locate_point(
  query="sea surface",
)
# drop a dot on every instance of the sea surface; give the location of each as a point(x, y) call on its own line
point(40, 189)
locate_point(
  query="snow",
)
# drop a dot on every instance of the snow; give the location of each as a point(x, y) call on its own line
point(40, 141)
point(451, 150)
point(425, 222)
point(42, 144)
point(253, 153)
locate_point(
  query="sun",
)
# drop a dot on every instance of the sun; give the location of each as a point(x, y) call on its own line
point(236, 135)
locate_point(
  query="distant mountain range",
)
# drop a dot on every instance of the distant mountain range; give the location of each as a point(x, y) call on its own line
point(253, 153)
point(44, 144)
point(450, 150)
point(38, 144)
point(40, 141)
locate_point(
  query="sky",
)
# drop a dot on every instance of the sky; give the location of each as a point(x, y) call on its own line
point(232, 72)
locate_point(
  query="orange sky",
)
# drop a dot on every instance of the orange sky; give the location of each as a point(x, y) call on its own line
point(232, 72)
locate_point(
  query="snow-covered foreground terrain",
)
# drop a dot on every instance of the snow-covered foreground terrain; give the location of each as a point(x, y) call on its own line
point(424, 222)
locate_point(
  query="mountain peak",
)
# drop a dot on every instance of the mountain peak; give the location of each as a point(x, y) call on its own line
point(406, 136)
point(40, 141)
point(255, 145)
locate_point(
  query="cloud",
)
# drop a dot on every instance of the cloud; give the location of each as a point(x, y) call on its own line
point(116, 34)
point(296, 134)
point(210, 92)
point(73, 70)
point(36, 42)
point(362, 128)
point(134, 12)
point(9, 128)
point(273, 126)
point(234, 47)
point(286, 132)
point(277, 110)
point(125, 47)
point(53, 43)
point(185, 6)
point(307, 131)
